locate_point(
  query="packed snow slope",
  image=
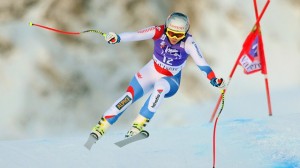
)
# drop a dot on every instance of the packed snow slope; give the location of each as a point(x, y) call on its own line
point(246, 137)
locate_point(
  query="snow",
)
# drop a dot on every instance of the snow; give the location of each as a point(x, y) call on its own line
point(246, 137)
point(54, 88)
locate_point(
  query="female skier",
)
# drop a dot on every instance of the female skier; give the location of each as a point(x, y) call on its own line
point(161, 75)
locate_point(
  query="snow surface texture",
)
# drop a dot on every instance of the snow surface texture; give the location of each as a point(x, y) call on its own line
point(246, 137)
point(54, 88)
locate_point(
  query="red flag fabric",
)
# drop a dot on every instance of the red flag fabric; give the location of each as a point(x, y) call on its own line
point(252, 57)
point(262, 55)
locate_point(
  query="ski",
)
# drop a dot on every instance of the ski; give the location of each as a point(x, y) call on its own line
point(142, 135)
point(91, 141)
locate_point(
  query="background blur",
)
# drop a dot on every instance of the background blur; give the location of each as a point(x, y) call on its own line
point(53, 84)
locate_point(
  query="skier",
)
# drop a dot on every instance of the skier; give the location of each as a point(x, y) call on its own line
point(161, 75)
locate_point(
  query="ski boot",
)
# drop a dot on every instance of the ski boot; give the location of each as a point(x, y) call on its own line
point(100, 128)
point(97, 133)
point(137, 126)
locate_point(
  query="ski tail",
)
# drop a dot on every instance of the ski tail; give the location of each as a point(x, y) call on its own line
point(142, 135)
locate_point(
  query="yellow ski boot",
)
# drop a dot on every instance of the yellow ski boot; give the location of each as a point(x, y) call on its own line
point(137, 126)
point(100, 128)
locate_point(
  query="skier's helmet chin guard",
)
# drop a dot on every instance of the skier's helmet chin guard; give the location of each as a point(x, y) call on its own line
point(178, 22)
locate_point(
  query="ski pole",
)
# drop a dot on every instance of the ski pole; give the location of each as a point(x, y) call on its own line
point(215, 127)
point(67, 32)
point(95, 31)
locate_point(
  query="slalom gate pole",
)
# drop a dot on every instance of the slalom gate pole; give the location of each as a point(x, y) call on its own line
point(215, 127)
point(66, 32)
point(258, 18)
point(266, 75)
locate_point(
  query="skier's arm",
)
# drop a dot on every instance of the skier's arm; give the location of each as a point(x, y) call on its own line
point(143, 34)
point(193, 50)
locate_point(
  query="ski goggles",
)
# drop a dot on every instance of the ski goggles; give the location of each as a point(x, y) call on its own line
point(178, 35)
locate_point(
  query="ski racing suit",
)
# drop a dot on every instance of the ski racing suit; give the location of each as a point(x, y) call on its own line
point(161, 75)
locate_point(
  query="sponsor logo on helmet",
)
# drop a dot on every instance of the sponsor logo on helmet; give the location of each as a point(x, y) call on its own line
point(175, 27)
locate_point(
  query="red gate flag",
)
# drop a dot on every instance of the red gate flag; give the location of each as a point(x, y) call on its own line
point(252, 57)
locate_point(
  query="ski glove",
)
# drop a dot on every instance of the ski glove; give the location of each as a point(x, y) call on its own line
point(217, 82)
point(112, 38)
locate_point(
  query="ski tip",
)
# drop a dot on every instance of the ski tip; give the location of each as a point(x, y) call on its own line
point(88, 146)
point(30, 24)
point(91, 141)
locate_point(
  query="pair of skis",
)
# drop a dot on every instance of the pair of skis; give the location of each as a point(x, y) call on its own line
point(93, 139)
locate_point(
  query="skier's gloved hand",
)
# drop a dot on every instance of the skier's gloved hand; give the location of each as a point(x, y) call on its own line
point(217, 82)
point(112, 38)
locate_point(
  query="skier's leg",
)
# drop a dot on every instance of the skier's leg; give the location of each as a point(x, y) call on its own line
point(133, 93)
point(163, 88)
point(140, 84)
point(137, 88)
